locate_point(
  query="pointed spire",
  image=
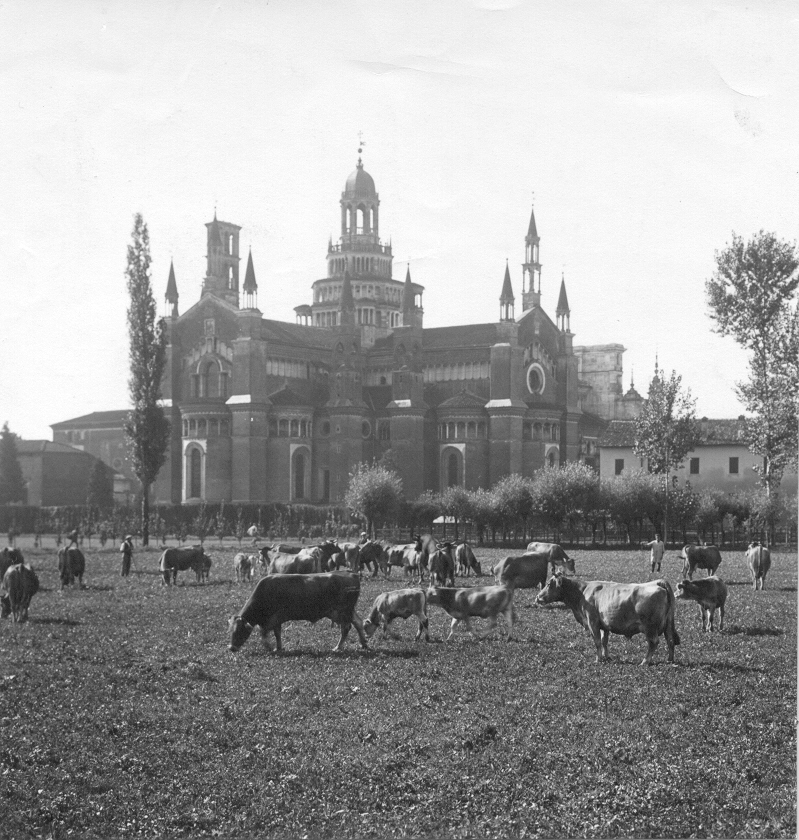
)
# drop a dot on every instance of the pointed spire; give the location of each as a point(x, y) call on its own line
point(214, 236)
point(532, 231)
point(171, 286)
point(250, 284)
point(408, 303)
point(563, 300)
point(507, 288)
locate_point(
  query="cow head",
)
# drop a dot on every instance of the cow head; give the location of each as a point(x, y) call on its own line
point(369, 628)
point(687, 590)
point(552, 590)
point(239, 632)
point(432, 595)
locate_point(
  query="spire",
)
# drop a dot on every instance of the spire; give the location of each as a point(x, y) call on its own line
point(407, 296)
point(214, 236)
point(532, 231)
point(250, 284)
point(171, 295)
point(563, 300)
point(506, 299)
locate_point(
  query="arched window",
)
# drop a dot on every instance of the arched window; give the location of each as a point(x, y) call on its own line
point(202, 428)
point(298, 474)
point(231, 282)
point(195, 473)
point(230, 244)
point(283, 427)
point(452, 469)
point(295, 428)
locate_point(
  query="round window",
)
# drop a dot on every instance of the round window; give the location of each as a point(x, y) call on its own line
point(366, 429)
point(117, 463)
point(324, 428)
point(535, 379)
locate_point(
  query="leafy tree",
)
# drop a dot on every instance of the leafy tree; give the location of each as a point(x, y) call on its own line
point(12, 484)
point(100, 492)
point(373, 493)
point(631, 498)
point(563, 492)
point(752, 297)
point(456, 502)
point(146, 427)
point(240, 528)
point(485, 512)
point(514, 501)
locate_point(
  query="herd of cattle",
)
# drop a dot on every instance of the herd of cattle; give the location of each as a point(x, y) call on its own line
point(308, 584)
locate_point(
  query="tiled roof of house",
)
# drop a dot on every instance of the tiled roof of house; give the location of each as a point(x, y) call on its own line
point(285, 396)
point(32, 447)
point(96, 418)
point(463, 335)
point(285, 333)
point(712, 432)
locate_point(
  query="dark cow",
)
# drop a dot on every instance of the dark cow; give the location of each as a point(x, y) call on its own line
point(605, 607)
point(442, 565)
point(700, 557)
point(711, 595)
point(243, 565)
point(557, 556)
point(71, 566)
point(401, 603)
point(465, 561)
point(758, 558)
point(203, 573)
point(175, 560)
point(9, 557)
point(18, 586)
point(281, 598)
point(475, 602)
point(526, 572)
point(374, 556)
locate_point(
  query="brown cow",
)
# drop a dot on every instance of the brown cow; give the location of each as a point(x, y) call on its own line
point(401, 603)
point(18, 586)
point(700, 557)
point(557, 556)
point(711, 595)
point(526, 572)
point(475, 602)
point(758, 558)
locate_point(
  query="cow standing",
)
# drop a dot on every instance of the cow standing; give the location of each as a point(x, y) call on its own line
point(758, 558)
point(711, 595)
point(554, 551)
point(373, 554)
point(243, 566)
point(475, 602)
point(700, 557)
point(18, 586)
point(175, 560)
point(71, 566)
point(9, 557)
point(529, 571)
point(465, 561)
point(281, 598)
point(401, 603)
point(442, 565)
point(605, 607)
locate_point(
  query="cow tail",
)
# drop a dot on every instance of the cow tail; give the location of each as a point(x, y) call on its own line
point(672, 611)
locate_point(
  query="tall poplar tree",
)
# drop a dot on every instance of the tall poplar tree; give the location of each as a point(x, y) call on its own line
point(147, 427)
point(752, 297)
point(12, 484)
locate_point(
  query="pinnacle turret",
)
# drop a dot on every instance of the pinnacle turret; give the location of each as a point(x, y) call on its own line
point(506, 299)
point(171, 295)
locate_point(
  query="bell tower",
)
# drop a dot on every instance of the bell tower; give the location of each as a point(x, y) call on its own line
point(531, 267)
point(222, 272)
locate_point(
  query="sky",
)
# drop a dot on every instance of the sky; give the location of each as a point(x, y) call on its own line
point(645, 134)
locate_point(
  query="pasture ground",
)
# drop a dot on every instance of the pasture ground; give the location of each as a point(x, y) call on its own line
point(123, 714)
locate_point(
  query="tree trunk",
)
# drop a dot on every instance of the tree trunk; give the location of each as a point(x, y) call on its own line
point(145, 514)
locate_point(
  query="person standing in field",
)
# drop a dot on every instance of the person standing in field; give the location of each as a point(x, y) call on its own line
point(127, 554)
point(658, 549)
point(253, 532)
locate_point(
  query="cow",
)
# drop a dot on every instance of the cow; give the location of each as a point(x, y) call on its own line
point(526, 572)
point(374, 554)
point(280, 598)
point(71, 565)
point(243, 564)
point(285, 548)
point(406, 557)
point(758, 558)
point(175, 560)
point(700, 557)
point(557, 556)
point(18, 586)
point(401, 603)
point(203, 570)
point(425, 546)
point(292, 564)
point(605, 607)
point(475, 602)
point(465, 561)
point(711, 595)
point(442, 565)
point(9, 557)
point(321, 554)
point(352, 556)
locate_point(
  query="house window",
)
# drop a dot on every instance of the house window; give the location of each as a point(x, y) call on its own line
point(694, 466)
point(619, 466)
point(733, 466)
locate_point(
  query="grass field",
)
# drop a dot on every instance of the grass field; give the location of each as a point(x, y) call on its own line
point(122, 713)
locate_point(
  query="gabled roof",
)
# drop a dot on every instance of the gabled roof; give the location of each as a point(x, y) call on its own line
point(284, 332)
point(619, 433)
point(711, 432)
point(32, 447)
point(464, 335)
point(464, 399)
point(96, 418)
point(286, 397)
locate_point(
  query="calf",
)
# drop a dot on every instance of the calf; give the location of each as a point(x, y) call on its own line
point(401, 603)
point(465, 561)
point(711, 595)
point(19, 585)
point(243, 565)
point(758, 558)
point(475, 602)
point(442, 565)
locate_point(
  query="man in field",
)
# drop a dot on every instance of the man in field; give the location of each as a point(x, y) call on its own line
point(658, 549)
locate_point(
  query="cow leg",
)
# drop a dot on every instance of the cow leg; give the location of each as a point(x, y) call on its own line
point(265, 638)
point(356, 620)
point(492, 623)
point(605, 635)
point(652, 643)
point(452, 629)
point(508, 613)
point(423, 625)
point(721, 618)
point(278, 640)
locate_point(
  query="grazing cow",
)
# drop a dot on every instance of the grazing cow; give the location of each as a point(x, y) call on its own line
point(281, 598)
point(465, 561)
point(557, 556)
point(758, 558)
point(425, 546)
point(604, 607)
point(406, 557)
point(401, 603)
point(175, 560)
point(442, 565)
point(9, 557)
point(700, 557)
point(711, 595)
point(71, 565)
point(373, 554)
point(475, 602)
point(243, 565)
point(526, 572)
point(18, 586)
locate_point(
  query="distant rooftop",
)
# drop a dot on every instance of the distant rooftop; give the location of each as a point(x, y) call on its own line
point(712, 432)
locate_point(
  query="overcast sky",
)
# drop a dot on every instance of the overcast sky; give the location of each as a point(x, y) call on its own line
point(648, 132)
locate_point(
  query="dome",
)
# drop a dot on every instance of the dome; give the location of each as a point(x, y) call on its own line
point(360, 184)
